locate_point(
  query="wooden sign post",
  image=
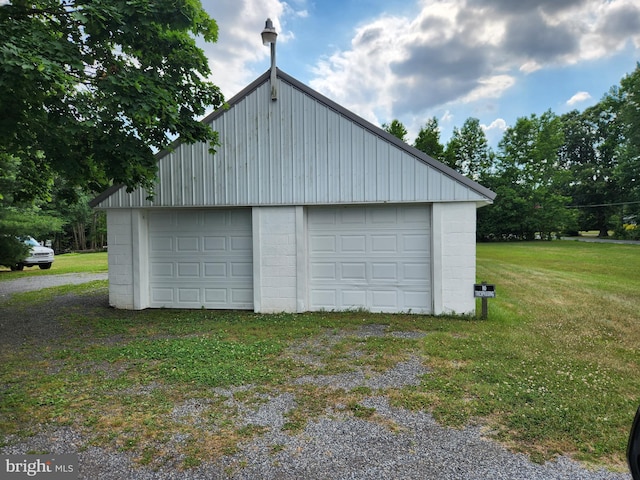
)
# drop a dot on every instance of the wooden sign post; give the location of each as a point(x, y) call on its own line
point(484, 291)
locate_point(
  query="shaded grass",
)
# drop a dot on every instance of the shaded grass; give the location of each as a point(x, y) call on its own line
point(24, 300)
point(552, 371)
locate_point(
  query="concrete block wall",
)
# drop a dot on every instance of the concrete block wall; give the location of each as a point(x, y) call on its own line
point(454, 257)
point(120, 241)
point(280, 258)
point(274, 259)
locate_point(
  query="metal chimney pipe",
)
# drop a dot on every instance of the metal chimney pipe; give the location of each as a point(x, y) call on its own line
point(269, 36)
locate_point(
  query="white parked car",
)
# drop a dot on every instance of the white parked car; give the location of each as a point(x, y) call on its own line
point(39, 255)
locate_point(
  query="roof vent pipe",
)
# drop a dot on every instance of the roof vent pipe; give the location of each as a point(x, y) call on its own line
point(269, 36)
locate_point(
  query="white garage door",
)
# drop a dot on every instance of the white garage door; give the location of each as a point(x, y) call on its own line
point(201, 258)
point(374, 257)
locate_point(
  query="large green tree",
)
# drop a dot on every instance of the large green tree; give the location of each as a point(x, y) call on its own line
point(528, 179)
point(468, 150)
point(428, 140)
point(21, 215)
point(628, 169)
point(590, 153)
point(397, 129)
point(91, 89)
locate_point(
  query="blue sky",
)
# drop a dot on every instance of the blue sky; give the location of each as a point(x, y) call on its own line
point(495, 60)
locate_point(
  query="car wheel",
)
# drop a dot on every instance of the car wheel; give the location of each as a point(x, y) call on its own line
point(45, 266)
point(18, 267)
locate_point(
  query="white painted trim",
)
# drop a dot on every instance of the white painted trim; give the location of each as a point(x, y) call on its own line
point(302, 259)
point(436, 257)
point(140, 259)
point(256, 233)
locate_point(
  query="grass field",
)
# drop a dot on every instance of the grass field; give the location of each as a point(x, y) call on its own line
point(560, 353)
point(66, 263)
point(554, 369)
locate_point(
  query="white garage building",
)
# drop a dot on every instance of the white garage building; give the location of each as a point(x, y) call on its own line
point(305, 206)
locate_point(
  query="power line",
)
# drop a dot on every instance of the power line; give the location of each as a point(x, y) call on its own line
point(603, 205)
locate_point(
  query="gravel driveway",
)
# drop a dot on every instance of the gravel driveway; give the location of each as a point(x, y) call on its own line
point(337, 445)
point(29, 284)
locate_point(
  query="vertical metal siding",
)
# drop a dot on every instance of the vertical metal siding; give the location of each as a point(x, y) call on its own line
point(295, 150)
point(357, 155)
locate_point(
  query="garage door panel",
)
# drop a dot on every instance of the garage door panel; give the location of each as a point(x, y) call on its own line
point(384, 300)
point(417, 216)
point(242, 295)
point(162, 295)
point(215, 270)
point(323, 243)
point(201, 258)
point(216, 296)
point(188, 244)
point(415, 243)
point(215, 244)
point(163, 221)
point(354, 271)
point(384, 271)
point(415, 271)
point(241, 270)
point(384, 243)
point(353, 298)
point(188, 270)
point(161, 244)
point(382, 259)
point(416, 300)
point(353, 216)
point(239, 218)
point(241, 244)
point(186, 219)
point(162, 269)
point(186, 295)
point(215, 218)
point(353, 244)
point(381, 215)
point(324, 271)
point(325, 217)
point(323, 299)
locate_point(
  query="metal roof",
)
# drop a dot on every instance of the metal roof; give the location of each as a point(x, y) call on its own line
point(303, 149)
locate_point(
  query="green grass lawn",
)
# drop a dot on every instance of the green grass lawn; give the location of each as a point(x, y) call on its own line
point(66, 263)
point(554, 369)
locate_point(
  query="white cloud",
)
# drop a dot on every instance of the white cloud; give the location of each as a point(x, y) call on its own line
point(605, 27)
point(497, 125)
point(467, 50)
point(491, 87)
point(530, 66)
point(239, 46)
point(446, 117)
point(578, 97)
point(446, 52)
point(361, 78)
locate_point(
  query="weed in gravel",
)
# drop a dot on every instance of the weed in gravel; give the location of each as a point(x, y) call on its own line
point(360, 411)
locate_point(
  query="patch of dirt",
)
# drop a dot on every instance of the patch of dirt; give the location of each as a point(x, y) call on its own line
point(44, 322)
